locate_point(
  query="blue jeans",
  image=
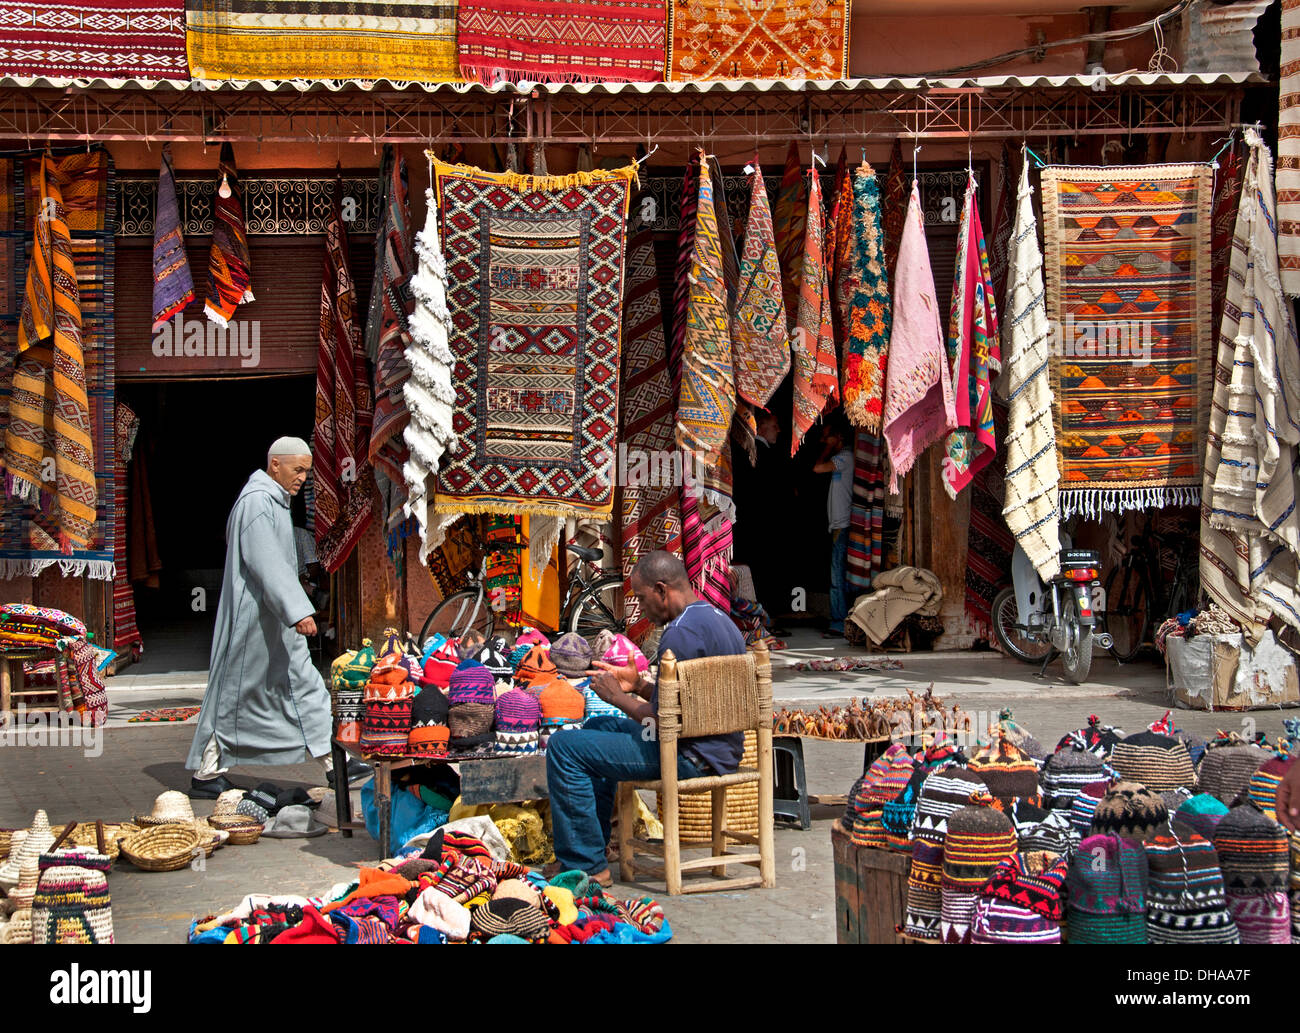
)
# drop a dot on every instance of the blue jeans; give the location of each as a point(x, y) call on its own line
point(583, 769)
point(839, 583)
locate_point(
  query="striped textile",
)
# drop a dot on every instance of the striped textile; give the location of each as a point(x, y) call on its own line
point(246, 40)
point(173, 287)
point(1031, 491)
point(989, 542)
point(230, 281)
point(388, 337)
point(29, 536)
point(1223, 223)
point(789, 215)
point(341, 472)
point(1288, 151)
point(1250, 530)
point(650, 517)
point(1003, 217)
point(867, 517)
point(107, 39)
point(126, 633)
point(816, 380)
point(1128, 284)
point(1261, 918)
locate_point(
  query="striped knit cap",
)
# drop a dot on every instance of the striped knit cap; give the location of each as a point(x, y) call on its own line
point(943, 793)
point(1107, 892)
point(516, 656)
point(1054, 834)
point(978, 838)
point(1261, 917)
point(517, 719)
point(535, 669)
point(1008, 771)
point(1033, 881)
point(429, 734)
point(571, 654)
point(1294, 838)
point(71, 904)
point(1157, 761)
point(1085, 807)
point(924, 911)
point(493, 657)
point(1228, 766)
point(1262, 788)
point(1066, 772)
point(1129, 810)
point(471, 682)
point(897, 815)
point(884, 780)
point(996, 921)
point(1202, 813)
point(1025, 815)
point(1252, 850)
point(1185, 894)
point(1096, 738)
point(440, 664)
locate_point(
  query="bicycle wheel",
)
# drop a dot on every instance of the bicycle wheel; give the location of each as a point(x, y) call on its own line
point(1012, 640)
point(460, 612)
point(1127, 616)
point(598, 609)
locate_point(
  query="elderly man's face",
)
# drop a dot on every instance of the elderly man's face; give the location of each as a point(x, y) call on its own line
point(653, 599)
point(290, 472)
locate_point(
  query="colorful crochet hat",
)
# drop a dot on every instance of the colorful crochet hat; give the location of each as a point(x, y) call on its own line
point(517, 719)
point(996, 921)
point(1261, 917)
point(347, 703)
point(884, 780)
point(440, 664)
point(571, 654)
point(1020, 737)
point(471, 682)
point(431, 645)
point(1008, 771)
point(71, 903)
point(1096, 738)
point(387, 722)
point(1185, 893)
point(1066, 772)
point(923, 916)
point(1263, 784)
point(495, 660)
point(536, 669)
point(470, 724)
point(615, 648)
point(1202, 813)
point(530, 636)
point(944, 792)
point(1024, 815)
point(1159, 762)
point(978, 838)
point(594, 705)
point(1107, 892)
point(562, 706)
point(1129, 810)
point(898, 814)
point(1253, 852)
point(356, 671)
point(1054, 834)
point(1034, 881)
point(510, 917)
point(429, 732)
point(1085, 806)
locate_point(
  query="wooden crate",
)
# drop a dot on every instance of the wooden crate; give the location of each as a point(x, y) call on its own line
point(870, 890)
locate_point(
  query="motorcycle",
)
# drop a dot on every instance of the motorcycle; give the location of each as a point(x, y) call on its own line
point(1037, 622)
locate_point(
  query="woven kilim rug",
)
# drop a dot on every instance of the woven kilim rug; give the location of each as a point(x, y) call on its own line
point(126, 633)
point(1128, 295)
point(1288, 150)
point(758, 39)
point(535, 295)
point(562, 40)
point(302, 39)
point(109, 39)
point(164, 714)
point(29, 537)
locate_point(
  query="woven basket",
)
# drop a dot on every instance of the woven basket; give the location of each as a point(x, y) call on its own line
point(6, 836)
point(161, 848)
point(84, 835)
point(695, 811)
point(210, 840)
point(242, 830)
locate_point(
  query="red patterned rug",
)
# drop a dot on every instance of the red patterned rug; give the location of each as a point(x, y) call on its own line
point(109, 39)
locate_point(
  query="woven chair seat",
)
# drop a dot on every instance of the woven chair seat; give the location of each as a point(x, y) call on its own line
point(704, 784)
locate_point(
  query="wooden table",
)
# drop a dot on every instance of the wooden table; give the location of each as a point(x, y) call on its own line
point(13, 686)
point(483, 780)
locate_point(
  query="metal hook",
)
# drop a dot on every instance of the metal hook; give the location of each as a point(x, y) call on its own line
point(647, 154)
point(915, 151)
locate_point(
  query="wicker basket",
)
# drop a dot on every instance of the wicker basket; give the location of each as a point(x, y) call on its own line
point(84, 835)
point(695, 810)
point(161, 848)
point(242, 830)
point(6, 836)
point(210, 839)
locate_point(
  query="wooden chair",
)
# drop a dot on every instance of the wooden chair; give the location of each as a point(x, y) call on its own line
point(709, 696)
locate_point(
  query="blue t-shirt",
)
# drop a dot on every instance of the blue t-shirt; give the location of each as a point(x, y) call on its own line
point(839, 499)
point(703, 630)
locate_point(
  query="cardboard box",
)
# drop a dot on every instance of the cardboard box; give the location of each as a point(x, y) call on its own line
point(1220, 672)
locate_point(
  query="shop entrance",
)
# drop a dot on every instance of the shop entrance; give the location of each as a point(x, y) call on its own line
point(199, 441)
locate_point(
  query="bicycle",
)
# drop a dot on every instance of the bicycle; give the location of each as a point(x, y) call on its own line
point(1138, 599)
point(591, 602)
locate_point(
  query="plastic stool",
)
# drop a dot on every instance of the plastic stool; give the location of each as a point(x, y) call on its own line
point(790, 794)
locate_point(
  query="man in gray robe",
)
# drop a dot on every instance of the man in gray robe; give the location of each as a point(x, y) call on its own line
point(265, 702)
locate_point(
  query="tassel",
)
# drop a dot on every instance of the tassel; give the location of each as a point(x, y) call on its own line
point(526, 183)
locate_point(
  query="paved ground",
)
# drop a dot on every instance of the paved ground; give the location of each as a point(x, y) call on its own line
point(119, 775)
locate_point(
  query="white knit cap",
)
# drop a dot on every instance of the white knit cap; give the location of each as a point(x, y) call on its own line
point(288, 447)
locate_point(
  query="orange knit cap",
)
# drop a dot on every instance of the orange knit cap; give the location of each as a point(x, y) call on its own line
point(562, 704)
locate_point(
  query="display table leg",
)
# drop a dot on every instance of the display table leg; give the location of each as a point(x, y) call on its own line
point(383, 803)
point(343, 793)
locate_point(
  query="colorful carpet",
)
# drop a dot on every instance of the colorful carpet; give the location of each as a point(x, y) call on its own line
point(650, 515)
point(30, 536)
point(109, 39)
point(816, 378)
point(789, 215)
point(759, 39)
point(341, 472)
point(164, 714)
point(126, 633)
point(504, 581)
point(301, 39)
point(535, 295)
point(1128, 286)
point(989, 543)
point(230, 274)
point(870, 308)
point(561, 40)
point(173, 286)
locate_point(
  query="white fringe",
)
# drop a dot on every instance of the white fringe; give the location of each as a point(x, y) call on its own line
point(1092, 503)
point(95, 570)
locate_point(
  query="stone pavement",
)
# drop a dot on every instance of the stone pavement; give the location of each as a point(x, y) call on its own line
point(119, 774)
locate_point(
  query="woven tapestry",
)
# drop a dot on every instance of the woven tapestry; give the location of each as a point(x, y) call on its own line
point(562, 40)
point(126, 633)
point(534, 270)
point(1128, 294)
point(301, 39)
point(758, 39)
point(29, 536)
point(109, 39)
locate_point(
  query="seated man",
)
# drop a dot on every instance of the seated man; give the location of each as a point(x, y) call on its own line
point(585, 765)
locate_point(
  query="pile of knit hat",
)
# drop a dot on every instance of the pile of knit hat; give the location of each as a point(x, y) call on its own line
point(1157, 837)
point(461, 889)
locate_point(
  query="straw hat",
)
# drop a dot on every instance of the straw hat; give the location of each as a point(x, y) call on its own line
point(34, 842)
point(228, 801)
point(169, 807)
point(23, 894)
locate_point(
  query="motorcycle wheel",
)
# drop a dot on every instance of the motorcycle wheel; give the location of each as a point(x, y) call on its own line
point(1076, 658)
point(1012, 641)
